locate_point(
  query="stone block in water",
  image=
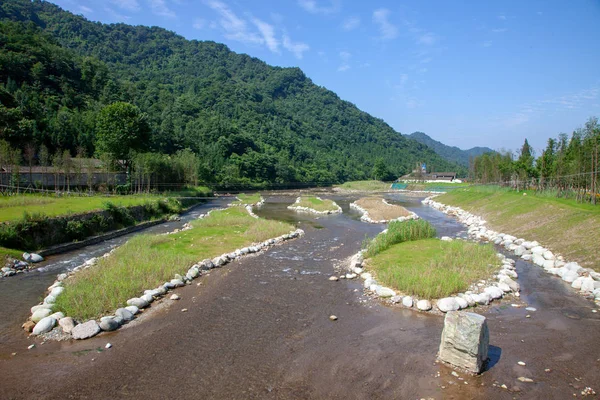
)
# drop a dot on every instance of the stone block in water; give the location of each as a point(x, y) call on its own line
point(465, 341)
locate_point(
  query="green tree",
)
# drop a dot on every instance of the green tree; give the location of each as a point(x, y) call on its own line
point(121, 129)
point(381, 171)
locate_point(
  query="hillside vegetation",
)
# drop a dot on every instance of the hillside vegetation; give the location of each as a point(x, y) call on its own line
point(449, 153)
point(248, 122)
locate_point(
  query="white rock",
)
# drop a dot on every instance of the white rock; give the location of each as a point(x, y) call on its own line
point(50, 299)
point(57, 291)
point(175, 297)
point(538, 260)
point(514, 286)
point(383, 291)
point(67, 324)
point(407, 301)
point(462, 303)
point(148, 297)
point(447, 304)
point(539, 250)
point(494, 291)
point(424, 305)
point(577, 283)
point(132, 309)
point(505, 288)
point(519, 250)
point(548, 264)
point(40, 314)
point(139, 303)
point(351, 276)
point(124, 313)
point(587, 285)
point(45, 325)
point(569, 276)
point(548, 255)
point(86, 330)
point(58, 315)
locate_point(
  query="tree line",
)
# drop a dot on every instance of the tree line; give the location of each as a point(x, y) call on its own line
point(567, 166)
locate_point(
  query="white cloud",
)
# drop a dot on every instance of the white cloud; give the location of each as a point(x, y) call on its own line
point(502, 17)
point(85, 10)
point(297, 48)
point(487, 43)
point(345, 56)
point(115, 15)
point(199, 23)
point(129, 5)
point(386, 29)
point(427, 39)
point(351, 23)
point(235, 27)
point(312, 6)
point(159, 7)
point(268, 33)
point(499, 30)
point(403, 79)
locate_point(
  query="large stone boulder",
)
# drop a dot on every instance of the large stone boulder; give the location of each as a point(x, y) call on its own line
point(465, 340)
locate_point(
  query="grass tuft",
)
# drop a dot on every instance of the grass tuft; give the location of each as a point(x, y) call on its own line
point(399, 232)
point(433, 268)
point(146, 261)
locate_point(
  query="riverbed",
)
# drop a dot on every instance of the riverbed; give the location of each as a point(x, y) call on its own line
point(260, 328)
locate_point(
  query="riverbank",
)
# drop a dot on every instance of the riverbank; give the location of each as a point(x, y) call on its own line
point(568, 228)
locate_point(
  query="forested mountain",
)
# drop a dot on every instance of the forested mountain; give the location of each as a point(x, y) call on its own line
point(247, 121)
point(450, 153)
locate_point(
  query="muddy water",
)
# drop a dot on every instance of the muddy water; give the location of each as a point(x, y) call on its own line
point(18, 293)
point(260, 328)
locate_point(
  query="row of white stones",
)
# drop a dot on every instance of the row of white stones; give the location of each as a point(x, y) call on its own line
point(367, 218)
point(338, 209)
point(586, 280)
point(45, 320)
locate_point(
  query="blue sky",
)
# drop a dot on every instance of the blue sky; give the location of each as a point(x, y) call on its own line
point(477, 73)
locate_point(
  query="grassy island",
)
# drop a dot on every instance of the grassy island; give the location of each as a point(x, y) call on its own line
point(146, 261)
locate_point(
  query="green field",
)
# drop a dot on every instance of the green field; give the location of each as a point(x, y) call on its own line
point(365, 186)
point(431, 268)
point(105, 287)
point(565, 226)
point(316, 204)
point(13, 208)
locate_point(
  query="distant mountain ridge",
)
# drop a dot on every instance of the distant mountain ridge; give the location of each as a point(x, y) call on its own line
point(449, 153)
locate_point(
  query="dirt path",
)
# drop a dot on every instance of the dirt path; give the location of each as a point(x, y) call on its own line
point(259, 328)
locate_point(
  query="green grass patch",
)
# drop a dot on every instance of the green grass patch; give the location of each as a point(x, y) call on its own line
point(244, 199)
point(316, 204)
point(432, 268)
point(565, 226)
point(399, 232)
point(147, 261)
point(435, 186)
point(12, 208)
point(6, 254)
point(365, 186)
